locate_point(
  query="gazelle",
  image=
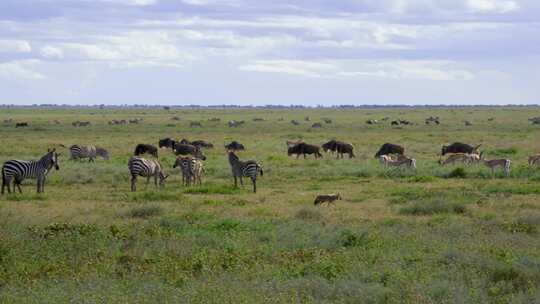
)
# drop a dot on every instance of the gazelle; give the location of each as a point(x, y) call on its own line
point(534, 160)
point(494, 163)
point(465, 158)
point(401, 161)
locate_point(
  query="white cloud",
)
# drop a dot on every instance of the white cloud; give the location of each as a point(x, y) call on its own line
point(51, 52)
point(496, 6)
point(15, 46)
point(294, 67)
point(131, 2)
point(20, 70)
point(397, 69)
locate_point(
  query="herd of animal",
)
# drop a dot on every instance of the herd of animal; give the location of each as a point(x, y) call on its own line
point(190, 159)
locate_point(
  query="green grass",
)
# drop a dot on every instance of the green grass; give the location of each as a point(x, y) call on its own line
point(451, 234)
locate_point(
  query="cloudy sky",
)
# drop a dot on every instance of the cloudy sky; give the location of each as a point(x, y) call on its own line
point(270, 52)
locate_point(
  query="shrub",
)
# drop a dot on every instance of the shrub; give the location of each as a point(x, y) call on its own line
point(212, 189)
point(457, 173)
point(527, 224)
point(145, 211)
point(433, 206)
point(348, 238)
point(308, 214)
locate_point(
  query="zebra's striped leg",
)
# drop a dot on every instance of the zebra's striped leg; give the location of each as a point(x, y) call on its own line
point(254, 181)
point(133, 182)
point(155, 180)
point(147, 181)
point(241, 181)
point(18, 184)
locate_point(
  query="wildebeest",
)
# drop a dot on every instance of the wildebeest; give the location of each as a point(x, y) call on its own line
point(175, 118)
point(389, 148)
point(167, 143)
point(135, 120)
point(294, 122)
point(467, 123)
point(141, 149)
point(21, 124)
point(303, 148)
point(235, 123)
point(432, 119)
point(340, 147)
point(316, 125)
point(372, 122)
point(235, 146)
point(202, 144)
point(291, 143)
point(458, 147)
point(186, 149)
point(195, 124)
point(326, 198)
point(535, 120)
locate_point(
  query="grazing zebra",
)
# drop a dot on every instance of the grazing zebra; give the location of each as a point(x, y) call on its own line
point(191, 168)
point(241, 169)
point(90, 152)
point(139, 166)
point(18, 170)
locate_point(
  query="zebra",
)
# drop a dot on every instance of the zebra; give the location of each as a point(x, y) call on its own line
point(139, 166)
point(90, 152)
point(191, 168)
point(18, 170)
point(241, 169)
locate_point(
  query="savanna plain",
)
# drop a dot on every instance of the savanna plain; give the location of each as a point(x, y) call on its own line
point(451, 234)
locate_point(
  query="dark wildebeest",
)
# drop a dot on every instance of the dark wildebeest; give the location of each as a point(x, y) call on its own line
point(458, 147)
point(235, 146)
point(167, 143)
point(21, 124)
point(303, 148)
point(340, 147)
point(316, 125)
point(389, 148)
point(141, 149)
point(195, 124)
point(294, 122)
point(202, 144)
point(185, 149)
point(395, 123)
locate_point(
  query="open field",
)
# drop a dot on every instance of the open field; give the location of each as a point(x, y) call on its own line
point(396, 237)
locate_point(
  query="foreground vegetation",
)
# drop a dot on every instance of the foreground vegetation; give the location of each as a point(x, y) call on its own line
point(437, 235)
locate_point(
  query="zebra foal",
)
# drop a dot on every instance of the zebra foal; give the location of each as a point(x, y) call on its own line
point(191, 168)
point(90, 152)
point(241, 169)
point(18, 170)
point(148, 168)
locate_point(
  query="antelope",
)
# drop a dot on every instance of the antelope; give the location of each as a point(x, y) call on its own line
point(465, 158)
point(494, 163)
point(401, 161)
point(534, 160)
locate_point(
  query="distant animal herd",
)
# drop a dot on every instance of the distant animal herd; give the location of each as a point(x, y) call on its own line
point(190, 157)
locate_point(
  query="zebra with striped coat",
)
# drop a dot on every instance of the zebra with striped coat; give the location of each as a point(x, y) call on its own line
point(18, 170)
point(148, 168)
point(241, 169)
point(91, 152)
point(191, 168)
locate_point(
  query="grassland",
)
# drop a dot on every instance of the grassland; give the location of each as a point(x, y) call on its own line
point(428, 236)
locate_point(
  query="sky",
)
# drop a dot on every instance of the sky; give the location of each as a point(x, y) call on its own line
point(257, 52)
